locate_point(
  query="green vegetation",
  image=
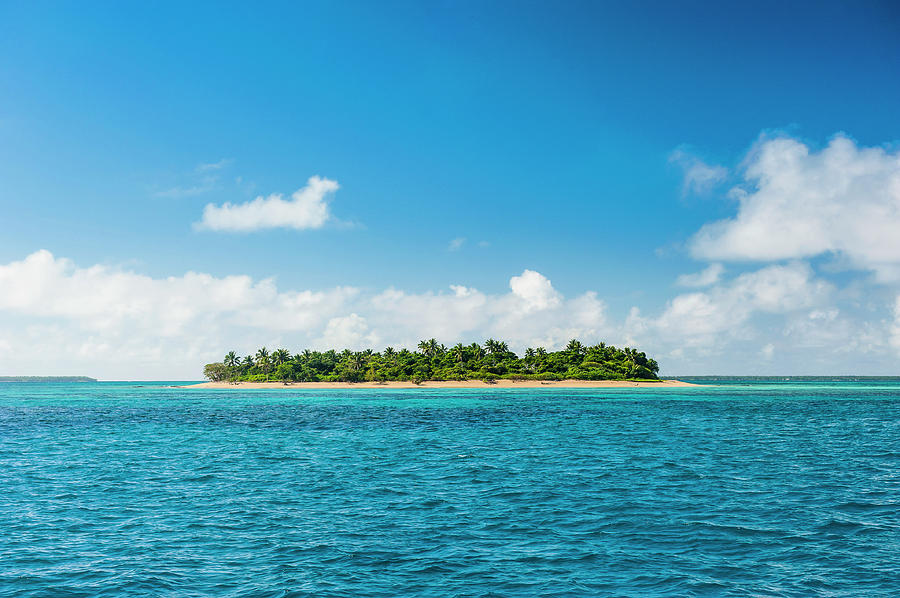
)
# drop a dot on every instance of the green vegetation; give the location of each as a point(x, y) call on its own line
point(46, 379)
point(434, 361)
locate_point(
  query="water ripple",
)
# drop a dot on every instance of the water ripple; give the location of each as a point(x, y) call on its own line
point(119, 490)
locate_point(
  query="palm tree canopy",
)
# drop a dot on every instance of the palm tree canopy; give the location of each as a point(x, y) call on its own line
point(434, 361)
point(281, 356)
point(231, 359)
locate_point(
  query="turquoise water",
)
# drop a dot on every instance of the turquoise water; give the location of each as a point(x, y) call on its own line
point(764, 489)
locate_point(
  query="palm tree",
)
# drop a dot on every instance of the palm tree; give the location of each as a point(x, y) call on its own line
point(429, 348)
point(575, 346)
point(433, 358)
point(231, 359)
point(280, 356)
point(495, 347)
point(358, 361)
point(262, 361)
point(529, 359)
point(232, 364)
point(459, 353)
point(476, 351)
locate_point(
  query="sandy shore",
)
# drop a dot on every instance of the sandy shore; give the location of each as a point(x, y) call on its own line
point(442, 384)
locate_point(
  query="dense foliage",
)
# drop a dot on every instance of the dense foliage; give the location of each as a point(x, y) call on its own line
point(434, 361)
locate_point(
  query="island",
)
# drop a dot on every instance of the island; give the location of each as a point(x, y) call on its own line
point(435, 365)
point(46, 379)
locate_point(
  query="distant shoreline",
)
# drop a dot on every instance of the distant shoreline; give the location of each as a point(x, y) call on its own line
point(47, 379)
point(396, 384)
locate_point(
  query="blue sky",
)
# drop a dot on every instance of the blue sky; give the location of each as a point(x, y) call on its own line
point(544, 134)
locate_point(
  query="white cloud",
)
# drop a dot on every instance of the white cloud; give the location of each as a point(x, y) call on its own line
point(219, 165)
point(533, 313)
point(456, 244)
point(56, 317)
point(346, 331)
point(204, 179)
point(798, 203)
point(704, 278)
point(307, 209)
point(699, 177)
point(535, 291)
point(895, 326)
point(707, 319)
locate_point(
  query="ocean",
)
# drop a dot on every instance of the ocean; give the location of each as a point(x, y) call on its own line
point(736, 488)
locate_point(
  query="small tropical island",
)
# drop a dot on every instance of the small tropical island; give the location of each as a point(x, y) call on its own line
point(434, 364)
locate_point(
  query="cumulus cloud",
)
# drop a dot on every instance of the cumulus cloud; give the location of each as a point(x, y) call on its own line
point(535, 291)
point(704, 278)
point(59, 318)
point(307, 208)
point(56, 317)
point(699, 177)
point(797, 202)
point(346, 331)
point(705, 318)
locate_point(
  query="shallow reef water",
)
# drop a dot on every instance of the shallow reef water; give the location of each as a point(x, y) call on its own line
point(733, 488)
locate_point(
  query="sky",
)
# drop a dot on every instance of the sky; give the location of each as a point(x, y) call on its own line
point(717, 184)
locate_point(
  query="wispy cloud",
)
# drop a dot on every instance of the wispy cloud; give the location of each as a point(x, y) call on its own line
point(205, 185)
point(307, 208)
point(708, 276)
point(456, 244)
point(699, 177)
point(204, 179)
point(214, 165)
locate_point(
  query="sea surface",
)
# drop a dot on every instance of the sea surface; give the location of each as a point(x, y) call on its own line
point(735, 488)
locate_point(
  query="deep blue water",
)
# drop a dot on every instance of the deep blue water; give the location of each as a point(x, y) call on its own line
point(764, 489)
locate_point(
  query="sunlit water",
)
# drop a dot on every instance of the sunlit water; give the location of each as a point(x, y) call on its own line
point(788, 489)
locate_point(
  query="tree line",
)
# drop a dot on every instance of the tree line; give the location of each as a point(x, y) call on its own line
point(434, 361)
